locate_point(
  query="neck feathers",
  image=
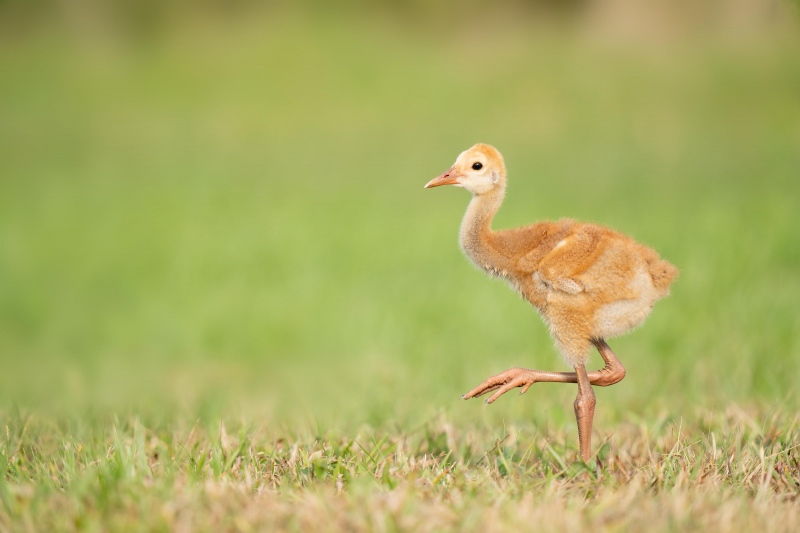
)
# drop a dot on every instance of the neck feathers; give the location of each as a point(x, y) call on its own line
point(476, 236)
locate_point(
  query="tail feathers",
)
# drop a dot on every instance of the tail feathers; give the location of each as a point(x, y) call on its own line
point(663, 273)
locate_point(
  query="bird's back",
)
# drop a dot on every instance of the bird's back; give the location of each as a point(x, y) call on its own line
point(590, 273)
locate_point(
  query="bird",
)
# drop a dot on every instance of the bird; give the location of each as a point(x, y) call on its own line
point(589, 282)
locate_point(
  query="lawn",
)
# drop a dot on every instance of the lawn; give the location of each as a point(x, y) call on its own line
point(227, 303)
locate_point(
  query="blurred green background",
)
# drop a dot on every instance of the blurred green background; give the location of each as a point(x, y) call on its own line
point(218, 207)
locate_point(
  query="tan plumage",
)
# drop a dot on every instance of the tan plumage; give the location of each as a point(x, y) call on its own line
point(588, 282)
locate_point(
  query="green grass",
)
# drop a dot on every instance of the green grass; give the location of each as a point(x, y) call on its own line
point(726, 472)
point(226, 302)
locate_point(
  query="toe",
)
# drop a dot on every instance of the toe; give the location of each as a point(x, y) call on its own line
point(504, 389)
point(488, 385)
point(480, 390)
point(495, 382)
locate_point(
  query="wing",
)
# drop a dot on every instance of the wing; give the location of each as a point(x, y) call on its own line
point(561, 267)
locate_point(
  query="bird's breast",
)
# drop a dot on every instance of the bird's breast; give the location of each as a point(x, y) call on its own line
point(495, 271)
point(514, 280)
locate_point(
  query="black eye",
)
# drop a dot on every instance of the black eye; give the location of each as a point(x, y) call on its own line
point(477, 166)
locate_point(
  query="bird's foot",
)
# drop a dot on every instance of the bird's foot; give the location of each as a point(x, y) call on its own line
point(502, 383)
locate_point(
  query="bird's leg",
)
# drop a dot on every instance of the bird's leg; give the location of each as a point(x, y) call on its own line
point(611, 373)
point(584, 411)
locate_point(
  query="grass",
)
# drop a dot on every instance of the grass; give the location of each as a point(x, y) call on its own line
point(226, 303)
point(727, 471)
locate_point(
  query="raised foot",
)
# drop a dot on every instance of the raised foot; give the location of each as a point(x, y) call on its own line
point(502, 383)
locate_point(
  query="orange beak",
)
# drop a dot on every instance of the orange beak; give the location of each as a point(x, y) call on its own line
point(448, 178)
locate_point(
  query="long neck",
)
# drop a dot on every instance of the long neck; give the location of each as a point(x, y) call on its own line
point(476, 231)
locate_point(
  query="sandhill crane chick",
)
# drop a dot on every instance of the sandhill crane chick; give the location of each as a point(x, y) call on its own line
point(588, 282)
